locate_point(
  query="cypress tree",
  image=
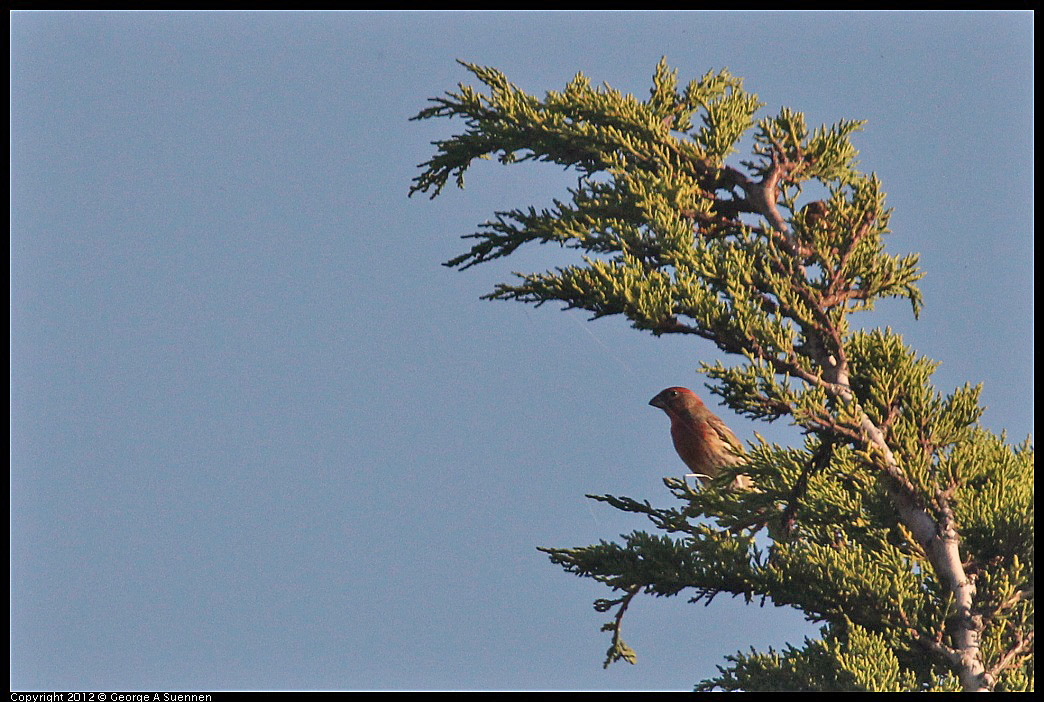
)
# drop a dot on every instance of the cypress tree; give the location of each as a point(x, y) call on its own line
point(900, 524)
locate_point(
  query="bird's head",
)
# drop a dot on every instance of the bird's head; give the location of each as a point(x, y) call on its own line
point(675, 399)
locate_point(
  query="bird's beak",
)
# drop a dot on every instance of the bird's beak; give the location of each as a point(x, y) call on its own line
point(658, 402)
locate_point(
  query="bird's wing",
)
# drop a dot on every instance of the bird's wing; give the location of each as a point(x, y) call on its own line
point(726, 435)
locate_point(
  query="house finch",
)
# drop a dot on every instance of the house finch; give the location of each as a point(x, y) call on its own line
point(814, 212)
point(702, 440)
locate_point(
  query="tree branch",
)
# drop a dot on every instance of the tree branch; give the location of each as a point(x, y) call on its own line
point(1023, 646)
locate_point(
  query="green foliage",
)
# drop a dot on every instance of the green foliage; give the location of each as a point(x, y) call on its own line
point(847, 659)
point(900, 524)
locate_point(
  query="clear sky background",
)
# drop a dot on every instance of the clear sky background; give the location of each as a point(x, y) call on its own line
point(262, 439)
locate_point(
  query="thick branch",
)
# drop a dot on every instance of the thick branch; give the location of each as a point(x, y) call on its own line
point(941, 543)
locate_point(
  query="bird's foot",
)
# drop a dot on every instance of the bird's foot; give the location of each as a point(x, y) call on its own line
point(700, 478)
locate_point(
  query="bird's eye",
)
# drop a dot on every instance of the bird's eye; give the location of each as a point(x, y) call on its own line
point(674, 393)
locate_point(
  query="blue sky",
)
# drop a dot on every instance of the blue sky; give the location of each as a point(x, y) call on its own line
point(262, 439)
